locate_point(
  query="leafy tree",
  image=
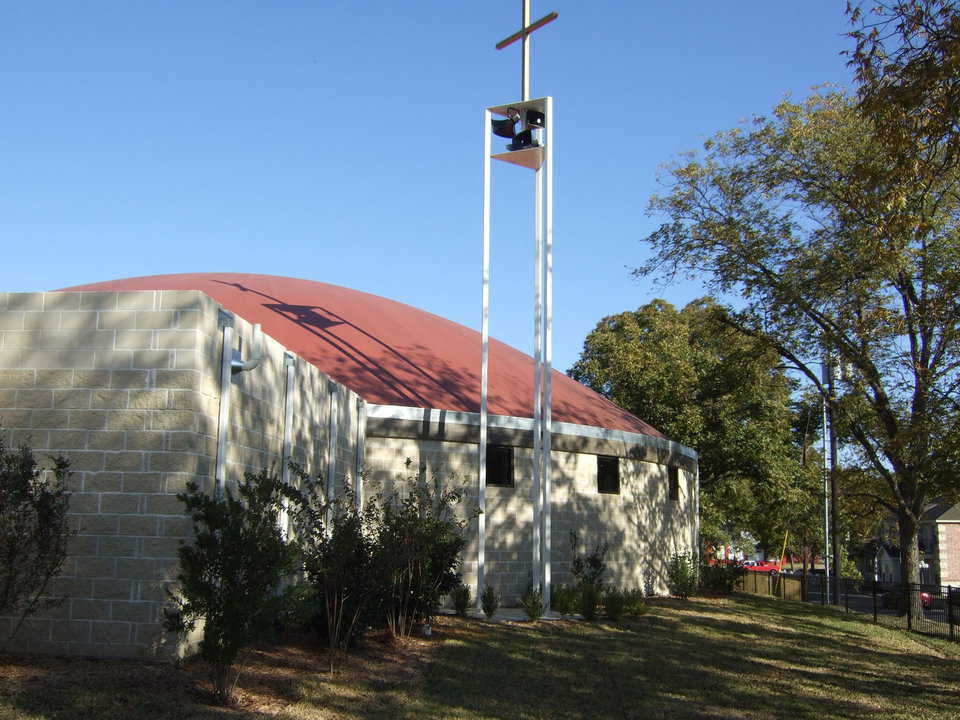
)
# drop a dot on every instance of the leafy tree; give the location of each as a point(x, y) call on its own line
point(230, 575)
point(33, 531)
point(724, 394)
point(786, 214)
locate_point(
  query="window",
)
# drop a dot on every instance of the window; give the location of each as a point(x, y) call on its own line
point(608, 474)
point(674, 476)
point(500, 465)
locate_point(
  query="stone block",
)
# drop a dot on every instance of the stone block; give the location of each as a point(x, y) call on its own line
point(61, 301)
point(118, 546)
point(97, 524)
point(24, 301)
point(80, 320)
point(177, 378)
point(72, 339)
point(134, 339)
point(84, 461)
point(114, 359)
point(88, 419)
point(13, 339)
point(137, 300)
point(85, 609)
point(123, 461)
point(149, 633)
point(72, 587)
point(35, 320)
point(188, 319)
point(174, 483)
point(151, 359)
point(187, 360)
point(11, 321)
point(110, 399)
point(103, 482)
point(144, 440)
point(34, 398)
point(138, 525)
point(49, 418)
point(174, 420)
point(17, 379)
point(16, 418)
point(180, 527)
point(97, 567)
point(81, 503)
point(111, 588)
point(8, 398)
point(164, 505)
point(98, 301)
point(155, 319)
point(111, 632)
point(148, 399)
point(160, 547)
point(82, 544)
point(72, 399)
point(135, 568)
point(180, 299)
point(142, 482)
point(12, 359)
point(120, 503)
point(155, 591)
point(128, 379)
point(185, 400)
point(127, 420)
point(106, 440)
point(91, 378)
point(176, 339)
point(116, 320)
point(59, 359)
point(135, 612)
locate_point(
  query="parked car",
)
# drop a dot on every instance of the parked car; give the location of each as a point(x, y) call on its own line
point(896, 600)
point(770, 567)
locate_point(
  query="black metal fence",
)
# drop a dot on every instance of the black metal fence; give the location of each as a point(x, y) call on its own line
point(929, 609)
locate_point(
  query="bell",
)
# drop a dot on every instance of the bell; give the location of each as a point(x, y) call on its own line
point(534, 119)
point(522, 140)
point(504, 128)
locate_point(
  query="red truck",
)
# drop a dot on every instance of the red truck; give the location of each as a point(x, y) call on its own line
point(770, 567)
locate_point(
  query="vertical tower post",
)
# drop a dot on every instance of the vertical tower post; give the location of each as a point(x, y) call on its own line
point(548, 352)
point(484, 361)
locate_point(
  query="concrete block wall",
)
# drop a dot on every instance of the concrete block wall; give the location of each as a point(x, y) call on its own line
point(126, 385)
point(948, 537)
point(642, 526)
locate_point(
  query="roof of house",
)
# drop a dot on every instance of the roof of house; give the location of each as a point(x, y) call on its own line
point(388, 352)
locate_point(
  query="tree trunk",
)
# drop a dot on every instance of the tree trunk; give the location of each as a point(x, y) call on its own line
point(910, 564)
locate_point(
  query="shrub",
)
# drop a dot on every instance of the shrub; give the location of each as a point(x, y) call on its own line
point(719, 578)
point(418, 543)
point(336, 545)
point(615, 603)
point(532, 603)
point(588, 601)
point(490, 601)
point(682, 575)
point(231, 573)
point(564, 599)
point(635, 603)
point(461, 599)
point(588, 569)
point(33, 531)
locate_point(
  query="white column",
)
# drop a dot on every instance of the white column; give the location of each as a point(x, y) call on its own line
point(484, 360)
point(290, 363)
point(548, 353)
point(361, 452)
point(537, 464)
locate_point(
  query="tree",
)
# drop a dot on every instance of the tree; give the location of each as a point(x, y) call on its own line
point(791, 215)
point(718, 391)
point(33, 531)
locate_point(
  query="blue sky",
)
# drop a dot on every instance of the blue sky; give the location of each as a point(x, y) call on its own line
point(341, 141)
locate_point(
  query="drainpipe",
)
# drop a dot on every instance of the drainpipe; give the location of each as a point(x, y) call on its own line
point(231, 363)
point(290, 363)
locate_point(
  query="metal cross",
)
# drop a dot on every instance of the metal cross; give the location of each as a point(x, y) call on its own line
point(526, 28)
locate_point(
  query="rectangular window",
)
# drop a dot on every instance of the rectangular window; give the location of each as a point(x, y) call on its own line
point(500, 465)
point(674, 475)
point(608, 475)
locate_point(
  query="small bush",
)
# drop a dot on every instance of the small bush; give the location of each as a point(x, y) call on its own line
point(588, 569)
point(461, 599)
point(615, 603)
point(532, 603)
point(719, 579)
point(682, 575)
point(490, 601)
point(635, 603)
point(564, 599)
point(33, 532)
point(231, 573)
point(588, 601)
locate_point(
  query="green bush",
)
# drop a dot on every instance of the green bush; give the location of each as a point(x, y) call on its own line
point(720, 578)
point(33, 531)
point(461, 599)
point(230, 574)
point(564, 599)
point(588, 601)
point(532, 603)
point(615, 603)
point(635, 603)
point(588, 569)
point(682, 575)
point(490, 601)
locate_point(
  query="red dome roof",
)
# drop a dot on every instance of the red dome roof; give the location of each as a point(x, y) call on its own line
point(388, 352)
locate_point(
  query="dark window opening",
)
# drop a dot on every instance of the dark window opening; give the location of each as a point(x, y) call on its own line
point(500, 465)
point(608, 475)
point(674, 474)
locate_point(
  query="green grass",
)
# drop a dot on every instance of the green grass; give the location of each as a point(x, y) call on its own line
point(743, 657)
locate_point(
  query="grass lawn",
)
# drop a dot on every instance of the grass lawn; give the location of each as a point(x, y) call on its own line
point(741, 657)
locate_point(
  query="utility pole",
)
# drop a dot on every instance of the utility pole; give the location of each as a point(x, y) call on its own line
point(833, 485)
